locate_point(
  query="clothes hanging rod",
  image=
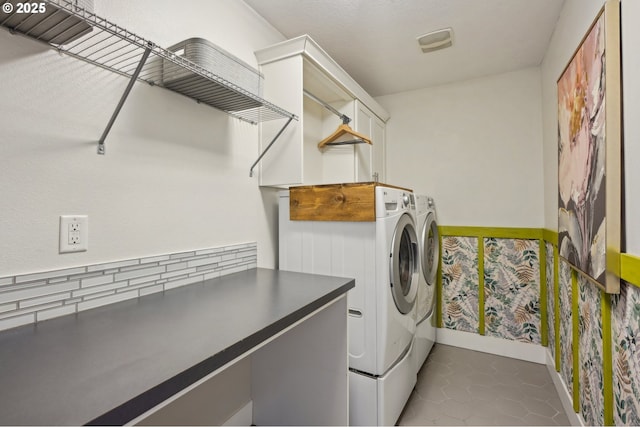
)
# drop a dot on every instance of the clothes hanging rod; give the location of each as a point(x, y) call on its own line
point(350, 142)
point(345, 119)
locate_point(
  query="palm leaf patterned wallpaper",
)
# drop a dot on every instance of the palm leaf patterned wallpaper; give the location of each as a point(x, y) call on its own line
point(512, 289)
point(549, 282)
point(566, 324)
point(512, 311)
point(590, 352)
point(625, 321)
point(460, 283)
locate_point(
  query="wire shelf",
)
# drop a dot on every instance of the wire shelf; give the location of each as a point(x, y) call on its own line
point(95, 40)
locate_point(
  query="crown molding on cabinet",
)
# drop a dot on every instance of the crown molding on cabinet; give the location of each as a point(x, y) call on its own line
point(306, 46)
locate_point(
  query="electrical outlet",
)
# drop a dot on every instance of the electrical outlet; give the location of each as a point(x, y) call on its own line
point(74, 233)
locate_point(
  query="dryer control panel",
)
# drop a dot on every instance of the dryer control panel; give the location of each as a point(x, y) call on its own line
point(393, 200)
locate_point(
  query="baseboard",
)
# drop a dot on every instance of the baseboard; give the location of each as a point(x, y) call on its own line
point(244, 416)
point(501, 347)
point(561, 388)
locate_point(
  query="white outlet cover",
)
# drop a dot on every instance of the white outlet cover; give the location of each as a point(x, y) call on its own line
point(74, 233)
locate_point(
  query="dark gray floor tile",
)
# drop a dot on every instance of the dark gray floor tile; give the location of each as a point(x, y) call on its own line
point(464, 387)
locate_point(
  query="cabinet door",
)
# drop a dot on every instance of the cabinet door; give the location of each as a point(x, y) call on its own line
point(369, 159)
point(379, 149)
point(363, 152)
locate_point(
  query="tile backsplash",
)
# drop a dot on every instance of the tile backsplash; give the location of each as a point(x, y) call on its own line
point(31, 298)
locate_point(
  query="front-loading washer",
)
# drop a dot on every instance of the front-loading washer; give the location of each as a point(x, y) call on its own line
point(429, 249)
point(383, 257)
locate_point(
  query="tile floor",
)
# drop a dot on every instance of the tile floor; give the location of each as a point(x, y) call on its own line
point(465, 387)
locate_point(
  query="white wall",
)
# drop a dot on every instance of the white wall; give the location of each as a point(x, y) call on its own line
point(631, 106)
point(576, 18)
point(176, 173)
point(475, 146)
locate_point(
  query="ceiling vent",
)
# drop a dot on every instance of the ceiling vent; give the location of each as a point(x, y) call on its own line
point(436, 40)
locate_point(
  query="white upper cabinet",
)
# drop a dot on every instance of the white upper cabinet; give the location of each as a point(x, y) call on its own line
point(292, 68)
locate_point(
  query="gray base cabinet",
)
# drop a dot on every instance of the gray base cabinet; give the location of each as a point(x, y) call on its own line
point(299, 377)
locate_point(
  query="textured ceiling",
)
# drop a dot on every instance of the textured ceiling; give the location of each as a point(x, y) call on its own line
point(375, 40)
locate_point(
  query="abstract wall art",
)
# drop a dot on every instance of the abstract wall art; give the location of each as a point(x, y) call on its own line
point(589, 153)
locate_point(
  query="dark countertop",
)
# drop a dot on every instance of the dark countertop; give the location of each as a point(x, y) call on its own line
point(111, 364)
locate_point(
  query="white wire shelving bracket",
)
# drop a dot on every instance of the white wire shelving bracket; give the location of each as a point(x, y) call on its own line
point(116, 49)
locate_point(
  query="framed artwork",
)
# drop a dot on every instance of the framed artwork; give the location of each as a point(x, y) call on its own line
point(589, 153)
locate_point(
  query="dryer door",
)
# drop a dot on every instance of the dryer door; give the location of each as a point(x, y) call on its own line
point(429, 257)
point(404, 264)
point(431, 253)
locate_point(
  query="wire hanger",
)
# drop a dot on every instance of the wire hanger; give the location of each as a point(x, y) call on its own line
point(342, 130)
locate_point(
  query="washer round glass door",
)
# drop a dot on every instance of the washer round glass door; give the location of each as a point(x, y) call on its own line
point(431, 249)
point(404, 264)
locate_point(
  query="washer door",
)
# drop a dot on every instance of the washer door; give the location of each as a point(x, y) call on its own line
point(404, 264)
point(431, 249)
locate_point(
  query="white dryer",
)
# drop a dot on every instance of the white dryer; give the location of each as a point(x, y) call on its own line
point(383, 257)
point(429, 244)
